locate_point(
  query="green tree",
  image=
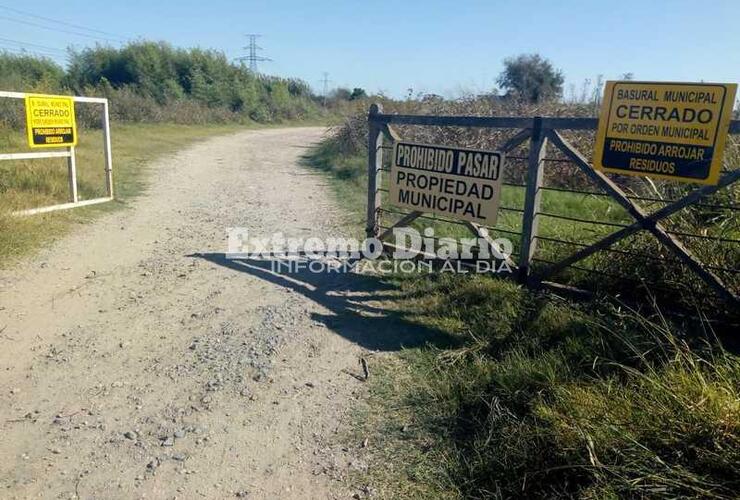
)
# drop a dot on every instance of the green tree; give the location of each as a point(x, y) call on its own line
point(26, 73)
point(199, 88)
point(357, 93)
point(280, 98)
point(162, 74)
point(532, 78)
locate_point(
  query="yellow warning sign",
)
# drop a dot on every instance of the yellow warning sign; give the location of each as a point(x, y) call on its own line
point(459, 183)
point(666, 130)
point(50, 121)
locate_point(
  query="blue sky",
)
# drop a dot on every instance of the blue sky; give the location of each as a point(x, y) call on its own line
point(435, 46)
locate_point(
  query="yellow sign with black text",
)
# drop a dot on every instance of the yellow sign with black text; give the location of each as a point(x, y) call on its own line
point(459, 183)
point(665, 130)
point(50, 121)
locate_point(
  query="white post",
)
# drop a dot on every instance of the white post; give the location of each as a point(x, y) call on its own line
point(107, 151)
point(70, 154)
point(72, 168)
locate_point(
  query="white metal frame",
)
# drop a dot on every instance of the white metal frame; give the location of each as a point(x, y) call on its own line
point(71, 160)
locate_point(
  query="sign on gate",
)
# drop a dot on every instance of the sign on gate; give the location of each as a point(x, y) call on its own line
point(666, 130)
point(455, 182)
point(50, 121)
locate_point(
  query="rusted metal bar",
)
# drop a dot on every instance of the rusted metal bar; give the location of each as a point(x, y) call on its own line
point(455, 121)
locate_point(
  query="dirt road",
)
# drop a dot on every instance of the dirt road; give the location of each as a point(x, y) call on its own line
point(138, 362)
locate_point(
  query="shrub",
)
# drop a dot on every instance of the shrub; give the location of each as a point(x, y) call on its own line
point(30, 73)
point(153, 81)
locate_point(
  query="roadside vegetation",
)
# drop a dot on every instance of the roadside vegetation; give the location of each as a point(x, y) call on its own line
point(161, 99)
point(574, 211)
point(35, 183)
point(155, 82)
point(148, 81)
point(535, 395)
point(538, 396)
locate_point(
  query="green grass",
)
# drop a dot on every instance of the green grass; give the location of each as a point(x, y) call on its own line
point(543, 398)
point(347, 178)
point(538, 396)
point(646, 268)
point(36, 183)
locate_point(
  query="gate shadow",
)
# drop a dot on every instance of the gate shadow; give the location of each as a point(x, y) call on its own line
point(346, 296)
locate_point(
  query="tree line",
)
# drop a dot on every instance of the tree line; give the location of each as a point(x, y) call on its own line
point(155, 75)
point(154, 81)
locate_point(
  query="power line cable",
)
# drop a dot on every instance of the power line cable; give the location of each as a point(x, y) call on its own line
point(60, 30)
point(29, 44)
point(4, 48)
point(56, 21)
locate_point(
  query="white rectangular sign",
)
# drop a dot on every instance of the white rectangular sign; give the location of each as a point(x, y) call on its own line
point(455, 182)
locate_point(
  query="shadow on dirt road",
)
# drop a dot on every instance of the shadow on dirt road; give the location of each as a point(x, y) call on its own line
point(346, 296)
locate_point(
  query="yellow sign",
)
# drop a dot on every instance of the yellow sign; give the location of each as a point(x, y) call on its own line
point(460, 183)
point(666, 130)
point(50, 121)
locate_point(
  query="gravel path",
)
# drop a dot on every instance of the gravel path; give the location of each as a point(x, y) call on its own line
point(137, 362)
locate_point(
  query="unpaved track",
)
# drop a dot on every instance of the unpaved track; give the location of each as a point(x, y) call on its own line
point(137, 362)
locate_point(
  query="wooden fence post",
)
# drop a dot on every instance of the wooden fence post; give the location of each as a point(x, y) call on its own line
point(374, 164)
point(537, 151)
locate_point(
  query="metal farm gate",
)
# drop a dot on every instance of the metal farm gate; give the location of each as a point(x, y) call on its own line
point(525, 141)
point(69, 154)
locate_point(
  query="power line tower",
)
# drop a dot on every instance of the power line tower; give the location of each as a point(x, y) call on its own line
point(325, 83)
point(252, 56)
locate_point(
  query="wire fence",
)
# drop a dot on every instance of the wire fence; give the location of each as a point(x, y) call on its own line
point(575, 213)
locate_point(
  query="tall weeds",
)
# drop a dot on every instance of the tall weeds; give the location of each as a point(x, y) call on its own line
point(543, 398)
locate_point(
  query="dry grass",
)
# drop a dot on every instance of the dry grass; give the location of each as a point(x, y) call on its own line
point(28, 184)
